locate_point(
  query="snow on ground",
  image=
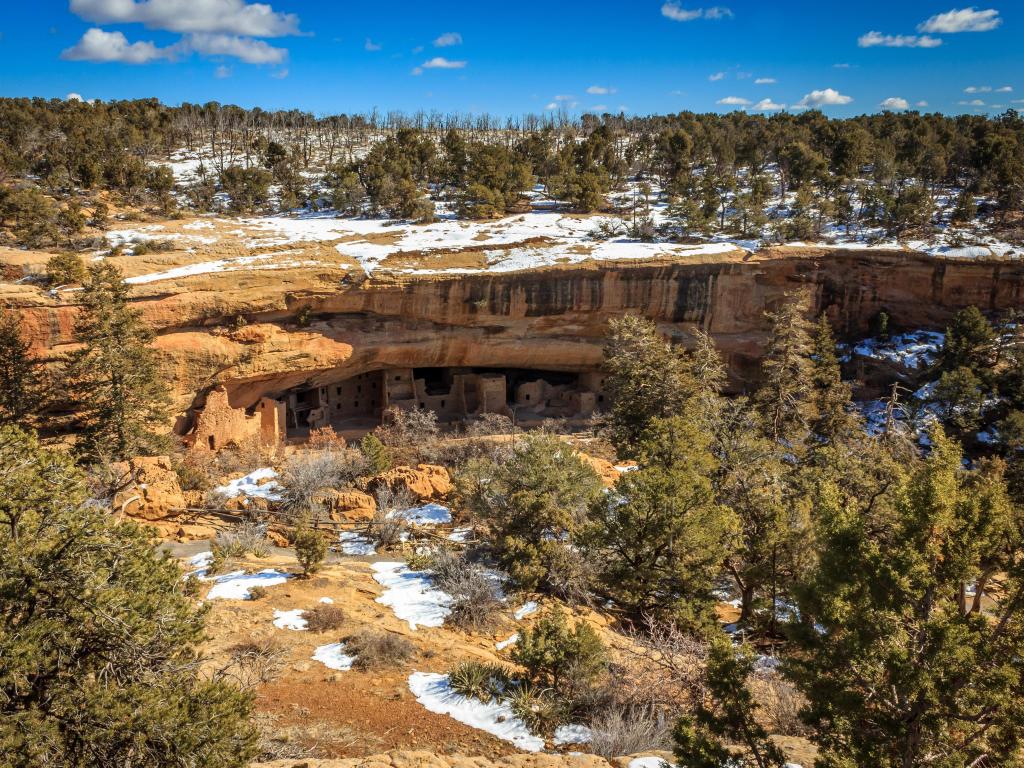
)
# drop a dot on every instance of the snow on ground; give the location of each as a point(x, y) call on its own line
point(236, 585)
point(411, 595)
point(326, 601)
point(502, 645)
point(496, 718)
point(572, 734)
point(290, 620)
point(460, 535)
point(353, 543)
point(917, 349)
point(260, 483)
point(333, 656)
point(242, 263)
point(525, 610)
point(428, 514)
point(199, 563)
point(649, 761)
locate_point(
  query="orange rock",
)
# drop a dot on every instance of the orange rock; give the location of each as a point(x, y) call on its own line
point(155, 492)
point(604, 468)
point(426, 482)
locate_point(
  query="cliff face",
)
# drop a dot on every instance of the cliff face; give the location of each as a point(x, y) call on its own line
point(550, 319)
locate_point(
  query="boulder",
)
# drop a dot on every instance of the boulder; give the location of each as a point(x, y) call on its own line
point(425, 482)
point(604, 468)
point(350, 506)
point(154, 491)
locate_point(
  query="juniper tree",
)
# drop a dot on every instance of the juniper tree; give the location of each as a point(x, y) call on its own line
point(786, 395)
point(660, 536)
point(899, 667)
point(114, 378)
point(834, 419)
point(21, 375)
point(99, 661)
point(726, 716)
point(534, 503)
point(970, 341)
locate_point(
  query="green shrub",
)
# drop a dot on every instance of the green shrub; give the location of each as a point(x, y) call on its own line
point(65, 269)
point(376, 454)
point(536, 707)
point(310, 549)
point(553, 654)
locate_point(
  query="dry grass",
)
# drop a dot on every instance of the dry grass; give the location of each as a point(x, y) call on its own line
point(324, 618)
point(378, 650)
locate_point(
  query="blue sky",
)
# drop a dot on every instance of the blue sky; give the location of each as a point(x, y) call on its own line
point(508, 59)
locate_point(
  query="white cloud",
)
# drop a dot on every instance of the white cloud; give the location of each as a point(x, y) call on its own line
point(222, 72)
point(281, 74)
point(552, 105)
point(73, 97)
point(1017, 101)
point(564, 97)
point(765, 81)
point(828, 97)
point(234, 17)
point(369, 45)
point(676, 12)
point(600, 90)
point(447, 39)
point(895, 104)
point(440, 62)
point(1005, 89)
point(973, 103)
point(599, 108)
point(98, 45)
point(872, 39)
point(244, 48)
point(963, 20)
point(978, 89)
point(841, 66)
point(921, 103)
point(767, 105)
point(734, 101)
point(716, 77)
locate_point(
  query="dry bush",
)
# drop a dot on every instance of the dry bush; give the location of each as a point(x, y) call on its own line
point(324, 618)
point(490, 424)
point(375, 650)
point(255, 661)
point(387, 527)
point(412, 435)
point(246, 455)
point(780, 704)
point(325, 438)
point(662, 667)
point(241, 539)
point(308, 472)
point(475, 593)
point(196, 470)
point(624, 730)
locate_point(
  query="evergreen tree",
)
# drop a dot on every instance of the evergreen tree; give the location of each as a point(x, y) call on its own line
point(786, 395)
point(534, 503)
point(115, 381)
point(375, 453)
point(899, 667)
point(553, 654)
point(970, 341)
point(646, 380)
point(726, 716)
point(21, 376)
point(660, 536)
point(99, 661)
point(65, 269)
point(834, 417)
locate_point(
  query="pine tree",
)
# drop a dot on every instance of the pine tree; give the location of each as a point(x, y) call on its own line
point(660, 536)
point(834, 417)
point(900, 668)
point(21, 375)
point(115, 380)
point(310, 548)
point(970, 341)
point(375, 452)
point(727, 716)
point(646, 380)
point(99, 661)
point(786, 395)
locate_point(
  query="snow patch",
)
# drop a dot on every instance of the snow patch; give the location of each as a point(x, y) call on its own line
point(259, 483)
point(428, 514)
point(290, 620)
point(236, 585)
point(353, 543)
point(496, 718)
point(411, 595)
point(572, 734)
point(502, 645)
point(525, 610)
point(333, 656)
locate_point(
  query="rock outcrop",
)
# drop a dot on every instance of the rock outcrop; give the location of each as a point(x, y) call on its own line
point(423, 759)
point(425, 482)
point(552, 318)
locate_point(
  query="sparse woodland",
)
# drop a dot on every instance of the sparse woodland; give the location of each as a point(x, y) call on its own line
point(781, 178)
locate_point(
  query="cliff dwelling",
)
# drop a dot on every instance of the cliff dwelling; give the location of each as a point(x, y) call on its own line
point(357, 404)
